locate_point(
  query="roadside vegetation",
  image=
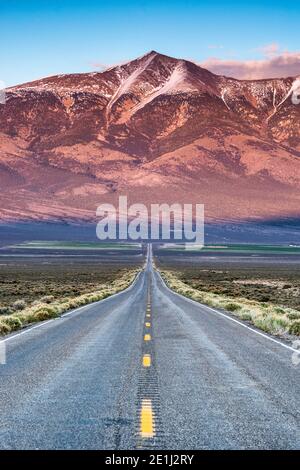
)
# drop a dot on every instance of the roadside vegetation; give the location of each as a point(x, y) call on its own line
point(269, 313)
point(30, 293)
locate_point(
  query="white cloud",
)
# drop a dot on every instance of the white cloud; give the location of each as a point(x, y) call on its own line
point(273, 65)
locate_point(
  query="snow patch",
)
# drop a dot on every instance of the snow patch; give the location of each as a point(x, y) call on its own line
point(177, 76)
point(223, 98)
point(293, 92)
point(296, 91)
point(274, 97)
point(126, 84)
point(294, 87)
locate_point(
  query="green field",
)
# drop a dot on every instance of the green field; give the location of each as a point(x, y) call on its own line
point(238, 248)
point(62, 245)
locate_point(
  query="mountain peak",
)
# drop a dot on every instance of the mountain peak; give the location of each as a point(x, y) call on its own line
point(152, 52)
point(154, 127)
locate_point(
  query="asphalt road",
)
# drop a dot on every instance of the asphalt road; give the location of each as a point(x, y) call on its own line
point(147, 369)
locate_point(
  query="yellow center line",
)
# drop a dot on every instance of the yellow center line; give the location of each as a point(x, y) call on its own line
point(146, 360)
point(148, 315)
point(148, 324)
point(147, 428)
point(147, 337)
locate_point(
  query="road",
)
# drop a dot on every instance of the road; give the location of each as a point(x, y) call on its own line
point(149, 369)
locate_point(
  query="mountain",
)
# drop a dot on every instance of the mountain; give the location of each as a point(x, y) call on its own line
point(158, 129)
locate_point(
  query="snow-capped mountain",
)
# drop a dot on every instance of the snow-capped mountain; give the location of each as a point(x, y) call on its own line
point(158, 129)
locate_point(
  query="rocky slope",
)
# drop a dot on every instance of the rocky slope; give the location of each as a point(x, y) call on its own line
point(158, 129)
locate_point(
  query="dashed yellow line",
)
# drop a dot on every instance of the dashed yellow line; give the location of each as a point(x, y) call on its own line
point(148, 324)
point(147, 337)
point(148, 315)
point(146, 360)
point(147, 427)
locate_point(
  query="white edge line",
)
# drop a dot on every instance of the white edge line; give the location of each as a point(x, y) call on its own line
point(76, 310)
point(228, 317)
point(27, 330)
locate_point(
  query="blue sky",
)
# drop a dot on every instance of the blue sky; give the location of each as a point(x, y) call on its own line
point(41, 38)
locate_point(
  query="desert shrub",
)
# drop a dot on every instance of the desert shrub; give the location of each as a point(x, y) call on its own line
point(263, 323)
point(47, 307)
point(281, 323)
point(198, 296)
point(266, 316)
point(294, 328)
point(104, 295)
point(5, 310)
point(47, 299)
point(264, 313)
point(245, 316)
point(232, 307)
point(293, 315)
point(14, 323)
point(263, 298)
point(271, 324)
point(4, 328)
point(45, 313)
point(279, 310)
point(19, 305)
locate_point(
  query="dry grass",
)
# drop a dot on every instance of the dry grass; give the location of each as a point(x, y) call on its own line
point(269, 317)
point(48, 307)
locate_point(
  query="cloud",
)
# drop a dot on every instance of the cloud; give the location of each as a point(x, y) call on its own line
point(269, 50)
point(273, 65)
point(100, 66)
point(215, 46)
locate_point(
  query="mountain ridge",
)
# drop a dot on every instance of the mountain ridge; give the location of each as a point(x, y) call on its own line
point(150, 128)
